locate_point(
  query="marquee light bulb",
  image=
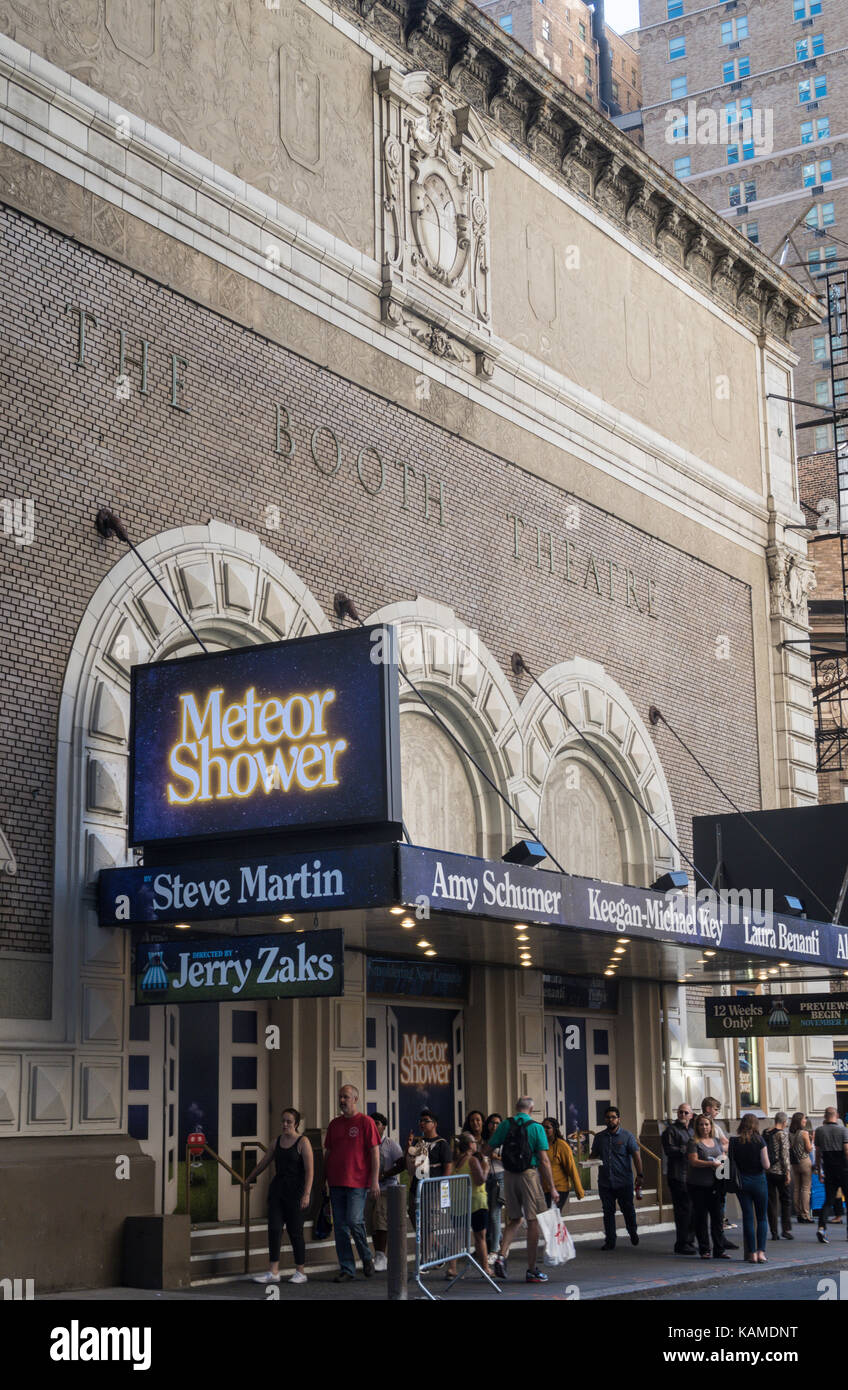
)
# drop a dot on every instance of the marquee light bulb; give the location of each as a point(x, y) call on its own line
point(624, 940)
point(773, 972)
point(397, 911)
point(182, 926)
point(609, 972)
point(287, 918)
point(423, 944)
point(619, 951)
point(429, 953)
point(521, 926)
point(527, 962)
point(784, 965)
point(408, 922)
point(523, 937)
point(709, 953)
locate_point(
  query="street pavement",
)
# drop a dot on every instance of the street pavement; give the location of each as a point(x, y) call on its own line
point(648, 1271)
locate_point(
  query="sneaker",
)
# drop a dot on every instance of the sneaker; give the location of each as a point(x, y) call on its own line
point(298, 1278)
point(822, 1235)
point(380, 1262)
point(267, 1278)
point(634, 1239)
point(343, 1277)
point(500, 1268)
point(535, 1276)
point(368, 1269)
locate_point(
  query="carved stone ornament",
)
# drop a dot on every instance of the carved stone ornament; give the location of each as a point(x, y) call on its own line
point(791, 582)
point(435, 214)
point(8, 863)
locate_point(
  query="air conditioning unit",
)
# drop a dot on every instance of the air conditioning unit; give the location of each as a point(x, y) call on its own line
point(806, 24)
point(741, 211)
point(811, 63)
point(735, 86)
point(732, 46)
point(812, 106)
point(817, 188)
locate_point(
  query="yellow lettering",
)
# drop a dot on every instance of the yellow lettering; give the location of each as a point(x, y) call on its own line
point(186, 772)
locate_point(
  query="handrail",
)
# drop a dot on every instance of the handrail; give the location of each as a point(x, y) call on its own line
point(244, 1204)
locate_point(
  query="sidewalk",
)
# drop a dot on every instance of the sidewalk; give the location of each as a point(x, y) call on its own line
point(626, 1272)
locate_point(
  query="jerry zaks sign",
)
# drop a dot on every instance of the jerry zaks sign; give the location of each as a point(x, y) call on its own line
point(289, 735)
point(278, 966)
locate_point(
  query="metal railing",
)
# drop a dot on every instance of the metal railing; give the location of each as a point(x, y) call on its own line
point(194, 1151)
point(443, 1227)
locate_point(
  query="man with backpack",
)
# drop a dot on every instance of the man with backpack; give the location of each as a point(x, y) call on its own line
point(524, 1154)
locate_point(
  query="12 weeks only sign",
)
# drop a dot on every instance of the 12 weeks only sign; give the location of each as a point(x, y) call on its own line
point(279, 966)
point(770, 1015)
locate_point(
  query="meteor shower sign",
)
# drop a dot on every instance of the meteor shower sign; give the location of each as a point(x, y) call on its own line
point(244, 967)
point(290, 735)
point(776, 1015)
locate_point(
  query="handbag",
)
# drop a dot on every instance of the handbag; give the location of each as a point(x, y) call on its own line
point(559, 1247)
point(727, 1176)
point(323, 1225)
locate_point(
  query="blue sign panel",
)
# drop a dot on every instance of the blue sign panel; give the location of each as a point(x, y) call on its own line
point(214, 890)
point(414, 977)
point(290, 735)
point(426, 1066)
point(278, 966)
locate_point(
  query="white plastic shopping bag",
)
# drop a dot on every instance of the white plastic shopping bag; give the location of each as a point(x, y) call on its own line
point(559, 1247)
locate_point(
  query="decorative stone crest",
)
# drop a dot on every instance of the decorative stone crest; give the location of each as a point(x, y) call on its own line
point(791, 581)
point(435, 223)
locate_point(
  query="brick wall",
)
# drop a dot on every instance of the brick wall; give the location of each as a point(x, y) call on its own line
point(71, 446)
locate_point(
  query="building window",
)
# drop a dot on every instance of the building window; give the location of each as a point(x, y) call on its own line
point(680, 129)
point(822, 215)
point(817, 261)
point(822, 433)
point(805, 9)
point(738, 68)
point(546, 30)
point(570, 49)
point(633, 77)
point(675, 9)
point(678, 87)
point(614, 87)
point(733, 154)
point(683, 167)
point(581, 29)
point(139, 1073)
point(734, 29)
point(505, 22)
point(808, 91)
point(822, 391)
point(812, 47)
point(587, 67)
point(137, 1121)
point(737, 111)
point(743, 193)
point(748, 150)
point(676, 48)
point(815, 130)
point(821, 171)
point(752, 232)
point(820, 349)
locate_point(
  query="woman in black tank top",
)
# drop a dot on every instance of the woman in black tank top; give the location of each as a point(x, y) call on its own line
point(288, 1196)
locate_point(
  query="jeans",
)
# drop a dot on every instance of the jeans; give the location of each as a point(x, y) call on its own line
point(835, 1174)
point(682, 1213)
point(349, 1220)
point(706, 1209)
point(753, 1198)
point(624, 1196)
point(779, 1203)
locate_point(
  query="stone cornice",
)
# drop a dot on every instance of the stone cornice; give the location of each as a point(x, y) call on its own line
point(562, 134)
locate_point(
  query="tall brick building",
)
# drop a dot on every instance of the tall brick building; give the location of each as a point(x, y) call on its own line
point(785, 62)
point(342, 299)
point(570, 40)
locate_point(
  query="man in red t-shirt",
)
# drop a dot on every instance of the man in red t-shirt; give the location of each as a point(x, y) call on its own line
point(352, 1169)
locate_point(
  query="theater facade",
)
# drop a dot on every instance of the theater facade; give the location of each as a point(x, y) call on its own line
point(360, 300)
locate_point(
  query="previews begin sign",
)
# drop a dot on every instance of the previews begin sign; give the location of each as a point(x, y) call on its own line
point(280, 966)
point(290, 735)
point(777, 1015)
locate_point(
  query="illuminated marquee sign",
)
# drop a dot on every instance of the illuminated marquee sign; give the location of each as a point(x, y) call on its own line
point(290, 735)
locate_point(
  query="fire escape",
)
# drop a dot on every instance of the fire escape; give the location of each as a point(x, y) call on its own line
point(830, 662)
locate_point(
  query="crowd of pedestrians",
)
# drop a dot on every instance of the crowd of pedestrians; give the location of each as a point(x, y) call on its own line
point(770, 1172)
point(521, 1168)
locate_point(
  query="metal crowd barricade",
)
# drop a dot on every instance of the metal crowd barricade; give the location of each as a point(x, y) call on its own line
point(443, 1227)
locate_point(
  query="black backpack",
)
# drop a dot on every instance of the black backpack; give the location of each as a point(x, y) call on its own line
point(516, 1154)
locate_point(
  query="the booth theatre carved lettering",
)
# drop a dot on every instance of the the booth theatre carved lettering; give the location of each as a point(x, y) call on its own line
point(203, 770)
point(416, 487)
point(135, 355)
point(597, 574)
